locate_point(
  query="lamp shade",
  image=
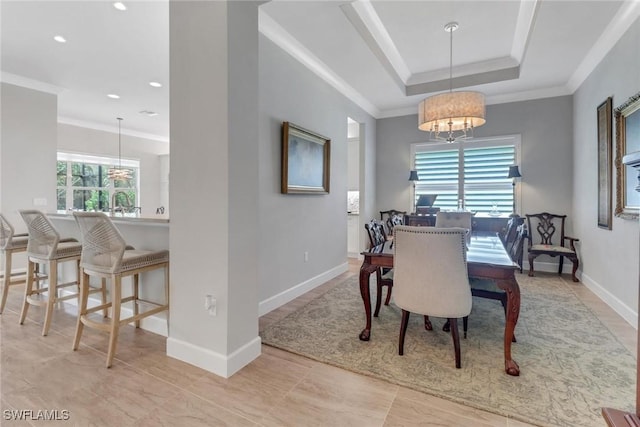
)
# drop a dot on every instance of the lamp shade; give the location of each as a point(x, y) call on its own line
point(514, 172)
point(413, 176)
point(451, 111)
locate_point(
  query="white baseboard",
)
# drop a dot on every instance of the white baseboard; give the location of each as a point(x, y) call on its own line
point(294, 292)
point(211, 361)
point(626, 312)
point(612, 301)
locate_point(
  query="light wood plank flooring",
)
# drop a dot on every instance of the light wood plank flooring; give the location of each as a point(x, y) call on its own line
point(146, 388)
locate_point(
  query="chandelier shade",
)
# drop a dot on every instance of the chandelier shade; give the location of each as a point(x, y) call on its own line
point(451, 112)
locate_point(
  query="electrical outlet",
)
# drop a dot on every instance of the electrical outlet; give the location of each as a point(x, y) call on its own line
point(210, 304)
point(306, 256)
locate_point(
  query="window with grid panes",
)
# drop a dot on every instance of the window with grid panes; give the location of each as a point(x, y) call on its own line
point(83, 183)
point(473, 173)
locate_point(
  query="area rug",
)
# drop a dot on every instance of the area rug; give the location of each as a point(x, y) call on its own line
point(571, 365)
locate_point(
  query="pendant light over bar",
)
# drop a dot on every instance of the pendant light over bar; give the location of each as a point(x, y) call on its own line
point(454, 114)
point(119, 173)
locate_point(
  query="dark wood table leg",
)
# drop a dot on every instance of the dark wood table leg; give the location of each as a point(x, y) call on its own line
point(365, 274)
point(510, 286)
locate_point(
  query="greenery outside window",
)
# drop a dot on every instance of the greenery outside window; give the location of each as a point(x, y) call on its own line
point(472, 172)
point(83, 183)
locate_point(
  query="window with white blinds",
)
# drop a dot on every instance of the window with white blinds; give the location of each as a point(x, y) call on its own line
point(472, 173)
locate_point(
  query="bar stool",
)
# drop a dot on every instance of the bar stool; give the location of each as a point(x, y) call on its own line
point(45, 246)
point(106, 255)
point(10, 243)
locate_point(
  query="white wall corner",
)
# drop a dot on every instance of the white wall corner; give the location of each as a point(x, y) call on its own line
point(294, 292)
point(219, 364)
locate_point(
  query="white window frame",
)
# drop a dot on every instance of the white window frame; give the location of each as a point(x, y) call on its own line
point(100, 160)
point(486, 142)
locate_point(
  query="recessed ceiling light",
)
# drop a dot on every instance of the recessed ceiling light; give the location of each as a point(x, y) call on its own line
point(60, 39)
point(148, 113)
point(155, 84)
point(119, 5)
point(113, 96)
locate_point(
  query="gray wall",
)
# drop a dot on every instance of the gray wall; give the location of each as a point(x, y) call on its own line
point(27, 151)
point(76, 139)
point(545, 126)
point(609, 257)
point(293, 224)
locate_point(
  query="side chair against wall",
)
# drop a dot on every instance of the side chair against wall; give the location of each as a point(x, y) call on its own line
point(377, 236)
point(46, 247)
point(547, 237)
point(431, 277)
point(106, 255)
point(10, 243)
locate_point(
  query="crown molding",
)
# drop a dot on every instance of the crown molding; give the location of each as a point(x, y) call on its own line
point(278, 35)
point(368, 24)
point(623, 19)
point(17, 80)
point(112, 129)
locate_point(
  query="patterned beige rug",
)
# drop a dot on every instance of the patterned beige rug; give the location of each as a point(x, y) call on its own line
point(571, 365)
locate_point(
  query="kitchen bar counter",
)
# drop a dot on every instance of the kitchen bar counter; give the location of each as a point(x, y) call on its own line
point(121, 218)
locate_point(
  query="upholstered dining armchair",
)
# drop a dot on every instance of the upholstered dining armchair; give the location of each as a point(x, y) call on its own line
point(431, 277)
point(377, 236)
point(547, 237)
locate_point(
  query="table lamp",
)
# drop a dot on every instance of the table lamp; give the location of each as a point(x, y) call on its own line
point(514, 173)
point(413, 176)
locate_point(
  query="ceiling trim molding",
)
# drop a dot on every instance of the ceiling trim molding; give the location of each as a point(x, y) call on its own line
point(17, 80)
point(491, 100)
point(278, 35)
point(368, 24)
point(524, 28)
point(109, 128)
point(624, 18)
point(528, 95)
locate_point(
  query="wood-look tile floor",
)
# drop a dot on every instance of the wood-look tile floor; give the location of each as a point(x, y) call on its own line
point(146, 388)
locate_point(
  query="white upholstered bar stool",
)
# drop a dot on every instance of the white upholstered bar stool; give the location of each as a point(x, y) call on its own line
point(106, 255)
point(10, 243)
point(45, 247)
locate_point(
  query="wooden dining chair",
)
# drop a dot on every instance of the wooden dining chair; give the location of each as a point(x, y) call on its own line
point(377, 236)
point(546, 236)
point(391, 218)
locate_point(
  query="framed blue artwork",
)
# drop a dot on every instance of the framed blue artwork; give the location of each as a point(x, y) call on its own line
point(305, 161)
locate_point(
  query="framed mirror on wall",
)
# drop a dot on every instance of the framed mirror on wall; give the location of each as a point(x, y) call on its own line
point(627, 118)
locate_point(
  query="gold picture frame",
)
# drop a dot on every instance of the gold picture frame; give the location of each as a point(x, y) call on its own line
point(306, 161)
point(627, 117)
point(604, 113)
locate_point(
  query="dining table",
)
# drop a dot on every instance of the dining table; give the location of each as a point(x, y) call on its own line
point(486, 259)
